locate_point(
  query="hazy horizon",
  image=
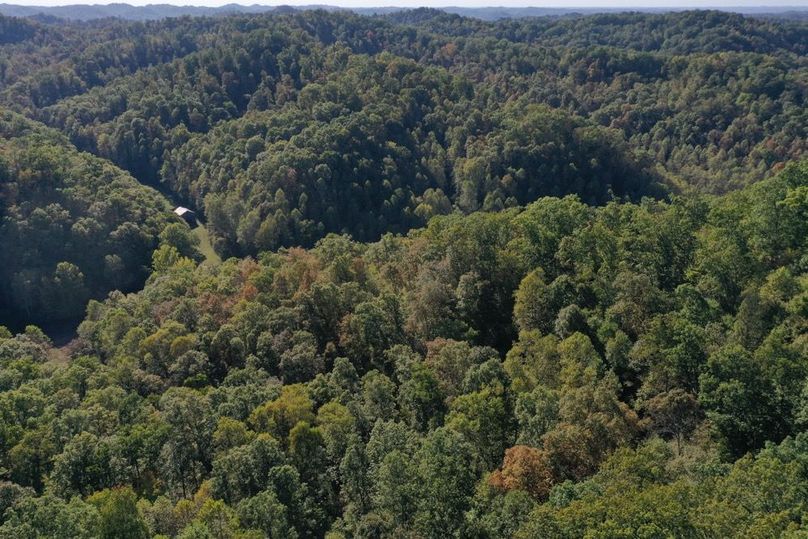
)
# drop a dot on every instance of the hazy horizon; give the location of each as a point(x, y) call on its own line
point(617, 4)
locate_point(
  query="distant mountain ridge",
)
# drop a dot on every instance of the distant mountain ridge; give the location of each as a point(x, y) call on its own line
point(86, 12)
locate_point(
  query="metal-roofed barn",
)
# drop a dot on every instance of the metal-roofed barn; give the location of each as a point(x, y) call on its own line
point(187, 215)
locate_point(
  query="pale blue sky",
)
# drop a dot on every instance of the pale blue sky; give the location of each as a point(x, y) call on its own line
point(440, 3)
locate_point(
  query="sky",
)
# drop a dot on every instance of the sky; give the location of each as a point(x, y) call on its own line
point(443, 3)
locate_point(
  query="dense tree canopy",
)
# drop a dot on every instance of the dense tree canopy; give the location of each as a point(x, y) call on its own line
point(72, 226)
point(284, 128)
point(528, 278)
point(385, 388)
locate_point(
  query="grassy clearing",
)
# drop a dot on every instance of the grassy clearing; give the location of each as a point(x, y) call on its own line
point(205, 246)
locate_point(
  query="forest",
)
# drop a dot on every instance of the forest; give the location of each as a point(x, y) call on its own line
point(531, 277)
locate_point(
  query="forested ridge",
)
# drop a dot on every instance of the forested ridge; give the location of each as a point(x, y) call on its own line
point(702, 101)
point(72, 226)
point(541, 277)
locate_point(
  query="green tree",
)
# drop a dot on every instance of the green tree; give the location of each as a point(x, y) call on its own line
point(119, 514)
point(446, 481)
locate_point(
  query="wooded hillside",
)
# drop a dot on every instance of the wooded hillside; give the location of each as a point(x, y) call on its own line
point(541, 277)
